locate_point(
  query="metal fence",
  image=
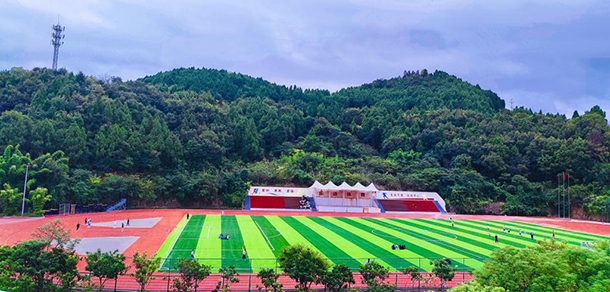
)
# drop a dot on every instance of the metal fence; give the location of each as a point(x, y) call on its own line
point(395, 264)
point(248, 281)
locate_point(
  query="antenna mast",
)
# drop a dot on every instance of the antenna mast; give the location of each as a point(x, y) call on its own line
point(57, 40)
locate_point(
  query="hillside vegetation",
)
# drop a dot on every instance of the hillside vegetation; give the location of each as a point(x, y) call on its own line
point(199, 137)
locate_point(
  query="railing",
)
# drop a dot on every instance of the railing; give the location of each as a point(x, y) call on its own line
point(248, 281)
point(120, 204)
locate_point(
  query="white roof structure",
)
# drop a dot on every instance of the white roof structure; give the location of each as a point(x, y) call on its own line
point(372, 188)
point(330, 186)
point(359, 187)
point(316, 185)
point(345, 187)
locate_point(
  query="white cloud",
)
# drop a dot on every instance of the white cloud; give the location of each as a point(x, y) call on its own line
point(535, 52)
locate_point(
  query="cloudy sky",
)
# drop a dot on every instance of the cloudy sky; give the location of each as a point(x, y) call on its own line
point(549, 55)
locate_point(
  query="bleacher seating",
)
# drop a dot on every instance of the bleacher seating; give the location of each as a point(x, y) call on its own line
point(410, 205)
point(272, 202)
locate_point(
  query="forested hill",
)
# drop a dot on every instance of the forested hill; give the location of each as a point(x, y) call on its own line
point(199, 137)
point(413, 90)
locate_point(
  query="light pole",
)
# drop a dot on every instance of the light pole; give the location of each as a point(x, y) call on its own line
point(25, 184)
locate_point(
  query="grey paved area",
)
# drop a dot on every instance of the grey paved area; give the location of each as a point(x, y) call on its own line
point(106, 244)
point(133, 223)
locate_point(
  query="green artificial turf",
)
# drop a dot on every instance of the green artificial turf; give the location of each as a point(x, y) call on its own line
point(349, 241)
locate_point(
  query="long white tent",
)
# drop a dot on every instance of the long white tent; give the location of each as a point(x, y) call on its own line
point(358, 196)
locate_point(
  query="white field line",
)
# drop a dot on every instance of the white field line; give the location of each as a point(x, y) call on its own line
point(170, 251)
point(265, 235)
point(208, 233)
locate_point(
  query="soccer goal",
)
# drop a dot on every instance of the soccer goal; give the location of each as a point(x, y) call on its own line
point(65, 209)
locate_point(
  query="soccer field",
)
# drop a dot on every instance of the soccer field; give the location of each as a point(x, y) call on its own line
point(350, 241)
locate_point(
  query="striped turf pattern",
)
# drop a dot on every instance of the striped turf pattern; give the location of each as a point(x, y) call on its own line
point(349, 240)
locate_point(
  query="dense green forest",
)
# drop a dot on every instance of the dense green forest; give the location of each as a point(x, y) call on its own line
point(200, 137)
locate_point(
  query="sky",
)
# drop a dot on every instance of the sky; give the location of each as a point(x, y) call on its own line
point(552, 56)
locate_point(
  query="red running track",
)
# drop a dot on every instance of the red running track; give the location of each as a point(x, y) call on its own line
point(13, 230)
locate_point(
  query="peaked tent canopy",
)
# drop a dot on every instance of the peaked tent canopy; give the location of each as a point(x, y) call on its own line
point(345, 187)
point(317, 185)
point(330, 186)
point(359, 187)
point(372, 188)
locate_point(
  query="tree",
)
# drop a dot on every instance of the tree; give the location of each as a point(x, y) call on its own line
point(37, 268)
point(55, 231)
point(547, 266)
point(443, 270)
point(228, 276)
point(10, 199)
point(105, 265)
point(302, 264)
point(414, 273)
point(338, 278)
point(145, 267)
point(374, 276)
point(269, 280)
point(39, 198)
point(191, 273)
point(7, 272)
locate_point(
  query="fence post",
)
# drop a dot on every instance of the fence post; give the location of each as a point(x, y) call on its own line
point(169, 273)
point(250, 281)
point(396, 283)
point(463, 273)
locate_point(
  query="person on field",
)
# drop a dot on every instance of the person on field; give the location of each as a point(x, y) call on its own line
point(77, 226)
point(243, 253)
point(187, 216)
point(553, 233)
point(122, 227)
point(227, 237)
point(368, 261)
point(452, 223)
point(520, 232)
point(488, 233)
point(393, 246)
point(221, 236)
point(192, 254)
point(503, 228)
point(496, 238)
point(532, 235)
point(127, 221)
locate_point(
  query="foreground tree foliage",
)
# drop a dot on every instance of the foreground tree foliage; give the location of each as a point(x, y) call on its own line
point(145, 267)
point(339, 278)
point(374, 275)
point(548, 266)
point(201, 135)
point(269, 280)
point(443, 270)
point(191, 273)
point(228, 275)
point(105, 266)
point(34, 266)
point(303, 264)
point(55, 233)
